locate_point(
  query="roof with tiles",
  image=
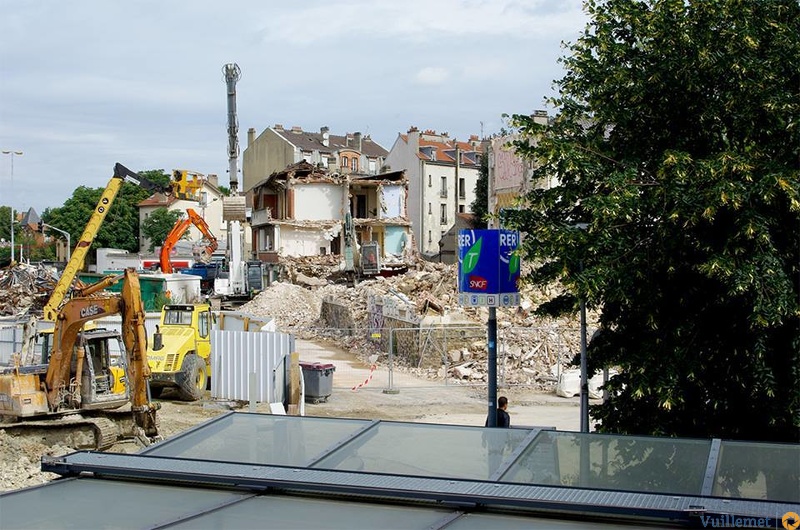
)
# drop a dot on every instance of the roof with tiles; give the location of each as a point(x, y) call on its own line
point(435, 147)
point(313, 141)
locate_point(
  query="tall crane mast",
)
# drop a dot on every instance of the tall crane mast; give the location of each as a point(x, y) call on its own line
point(232, 74)
point(234, 210)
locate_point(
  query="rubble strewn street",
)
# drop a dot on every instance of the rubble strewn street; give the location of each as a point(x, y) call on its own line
point(533, 345)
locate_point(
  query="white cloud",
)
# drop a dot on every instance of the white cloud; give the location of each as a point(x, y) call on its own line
point(431, 75)
point(86, 84)
point(420, 20)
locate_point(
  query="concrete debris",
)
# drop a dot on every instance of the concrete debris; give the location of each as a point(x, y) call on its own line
point(426, 297)
point(21, 461)
point(25, 288)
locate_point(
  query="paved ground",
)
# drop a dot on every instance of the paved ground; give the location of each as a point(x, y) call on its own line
point(423, 400)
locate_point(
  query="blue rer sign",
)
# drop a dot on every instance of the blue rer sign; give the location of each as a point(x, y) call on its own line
point(488, 268)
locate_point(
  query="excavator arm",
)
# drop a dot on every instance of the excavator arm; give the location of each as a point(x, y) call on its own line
point(88, 306)
point(201, 225)
point(121, 175)
point(179, 228)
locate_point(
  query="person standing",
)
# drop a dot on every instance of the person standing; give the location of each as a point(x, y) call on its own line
point(503, 419)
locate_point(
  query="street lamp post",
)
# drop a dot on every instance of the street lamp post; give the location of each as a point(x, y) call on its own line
point(584, 410)
point(12, 153)
point(63, 232)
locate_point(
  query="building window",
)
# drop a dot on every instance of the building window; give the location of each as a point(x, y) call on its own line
point(345, 161)
point(354, 164)
point(443, 189)
point(462, 189)
point(430, 208)
point(429, 236)
point(443, 214)
point(373, 165)
point(460, 208)
point(430, 181)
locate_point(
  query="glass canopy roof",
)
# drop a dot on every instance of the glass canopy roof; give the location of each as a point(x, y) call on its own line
point(527, 456)
point(245, 470)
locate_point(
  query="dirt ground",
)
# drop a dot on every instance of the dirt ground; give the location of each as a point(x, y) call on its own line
point(412, 399)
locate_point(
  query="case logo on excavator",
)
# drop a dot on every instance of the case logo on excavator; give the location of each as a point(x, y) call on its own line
point(91, 311)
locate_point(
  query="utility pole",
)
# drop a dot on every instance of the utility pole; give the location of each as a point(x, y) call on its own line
point(12, 153)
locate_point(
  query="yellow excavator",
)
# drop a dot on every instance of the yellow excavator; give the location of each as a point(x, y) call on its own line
point(80, 370)
point(179, 188)
point(80, 374)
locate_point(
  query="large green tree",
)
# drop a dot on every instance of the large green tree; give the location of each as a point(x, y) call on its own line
point(120, 229)
point(677, 217)
point(159, 224)
point(480, 206)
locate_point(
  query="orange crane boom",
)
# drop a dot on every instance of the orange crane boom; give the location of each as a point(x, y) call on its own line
point(180, 228)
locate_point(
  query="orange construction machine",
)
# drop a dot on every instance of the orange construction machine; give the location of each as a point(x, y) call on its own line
point(177, 232)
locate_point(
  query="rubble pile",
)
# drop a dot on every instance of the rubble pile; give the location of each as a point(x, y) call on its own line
point(20, 461)
point(25, 288)
point(532, 347)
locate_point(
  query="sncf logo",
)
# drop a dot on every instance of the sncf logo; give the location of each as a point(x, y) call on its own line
point(477, 283)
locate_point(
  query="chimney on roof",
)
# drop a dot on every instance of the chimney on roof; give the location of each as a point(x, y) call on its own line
point(357, 141)
point(540, 117)
point(278, 127)
point(326, 136)
point(296, 129)
point(213, 178)
point(251, 136)
point(413, 139)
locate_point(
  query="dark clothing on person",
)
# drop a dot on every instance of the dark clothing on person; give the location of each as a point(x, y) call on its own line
point(503, 419)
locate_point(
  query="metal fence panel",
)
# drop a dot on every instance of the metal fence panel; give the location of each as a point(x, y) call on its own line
point(238, 354)
point(10, 342)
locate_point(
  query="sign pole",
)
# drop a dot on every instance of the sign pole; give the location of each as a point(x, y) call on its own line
point(488, 276)
point(492, 340)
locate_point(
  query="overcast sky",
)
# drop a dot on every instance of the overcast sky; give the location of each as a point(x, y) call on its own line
point(86, 84)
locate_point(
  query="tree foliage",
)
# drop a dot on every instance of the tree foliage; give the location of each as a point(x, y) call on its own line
point(120, 228)
point(5, 224)
point(677, 217)
point(480, 206)
point(158, 225)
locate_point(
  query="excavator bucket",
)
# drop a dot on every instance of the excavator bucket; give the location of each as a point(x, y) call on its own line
point(234, 209)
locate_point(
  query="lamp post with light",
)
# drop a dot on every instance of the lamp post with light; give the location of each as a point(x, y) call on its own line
point(12, 153)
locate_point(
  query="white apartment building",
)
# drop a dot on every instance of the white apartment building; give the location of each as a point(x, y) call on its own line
point(442, 173)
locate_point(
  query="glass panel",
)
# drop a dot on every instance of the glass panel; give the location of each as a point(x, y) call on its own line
point(427, 450)
point(282, 512)
point(260, 439)
point(93, 503)
point(645, 464)
point(751, 470)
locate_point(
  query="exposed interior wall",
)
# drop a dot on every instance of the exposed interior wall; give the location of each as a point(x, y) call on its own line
point(395, 240)
point(298, 242)
point(393, 201)
point(318, 202)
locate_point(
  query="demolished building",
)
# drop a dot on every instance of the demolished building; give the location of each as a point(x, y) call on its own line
point(300, 211)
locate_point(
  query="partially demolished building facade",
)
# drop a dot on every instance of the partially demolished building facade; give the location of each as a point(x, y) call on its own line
point(300, 211)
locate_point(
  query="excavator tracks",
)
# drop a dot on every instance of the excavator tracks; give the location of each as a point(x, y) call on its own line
point(78, 432)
